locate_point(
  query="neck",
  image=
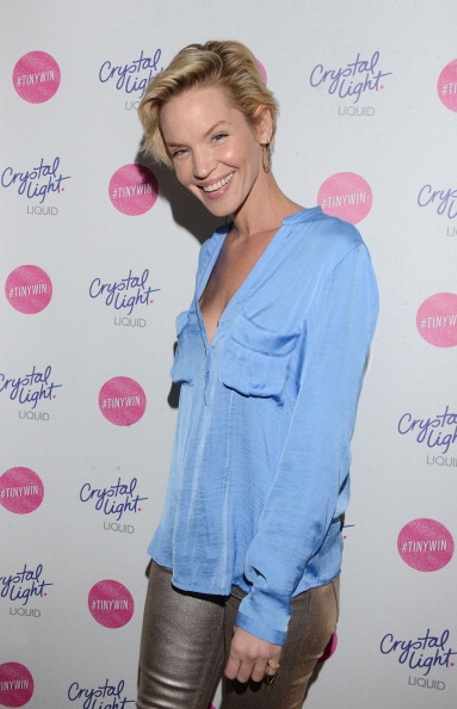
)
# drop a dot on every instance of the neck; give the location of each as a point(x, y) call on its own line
point(264, 209)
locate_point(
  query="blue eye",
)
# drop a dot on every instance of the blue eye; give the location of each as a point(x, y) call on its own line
point(176, 153)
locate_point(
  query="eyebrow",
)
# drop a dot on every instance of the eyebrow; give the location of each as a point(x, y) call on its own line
point(208, 132)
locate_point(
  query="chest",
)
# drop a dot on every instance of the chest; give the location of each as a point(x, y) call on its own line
point(232, 268)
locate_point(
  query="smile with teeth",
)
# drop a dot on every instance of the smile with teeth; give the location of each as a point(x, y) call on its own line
point(219, 184)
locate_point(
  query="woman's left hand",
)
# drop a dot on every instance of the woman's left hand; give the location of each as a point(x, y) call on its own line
point(251, 658)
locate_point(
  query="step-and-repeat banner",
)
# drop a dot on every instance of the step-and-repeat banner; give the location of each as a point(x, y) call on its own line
point(98, 255)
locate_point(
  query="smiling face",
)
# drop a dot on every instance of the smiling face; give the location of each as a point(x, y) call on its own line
point(216, 153)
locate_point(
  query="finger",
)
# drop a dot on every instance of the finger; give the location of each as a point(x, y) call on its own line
point(232, 667)
point(258, 671)
point(272, 668)
point(244, 673)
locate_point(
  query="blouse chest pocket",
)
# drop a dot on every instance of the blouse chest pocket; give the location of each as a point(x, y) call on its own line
point(186, 329)
point(255, 361)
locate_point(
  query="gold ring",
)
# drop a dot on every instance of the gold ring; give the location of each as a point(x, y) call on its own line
point(273, 667)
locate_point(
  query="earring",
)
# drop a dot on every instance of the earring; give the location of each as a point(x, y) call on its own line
point(266, 157)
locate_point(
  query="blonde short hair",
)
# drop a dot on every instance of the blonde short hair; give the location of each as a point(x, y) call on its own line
point(228, 64)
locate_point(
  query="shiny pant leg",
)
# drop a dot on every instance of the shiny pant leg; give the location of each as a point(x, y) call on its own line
point(186, 638)
point(182, 646)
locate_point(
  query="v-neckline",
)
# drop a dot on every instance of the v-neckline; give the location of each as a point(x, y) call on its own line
point(239, 291)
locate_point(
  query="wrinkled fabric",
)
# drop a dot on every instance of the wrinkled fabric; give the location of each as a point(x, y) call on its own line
point(260, 468)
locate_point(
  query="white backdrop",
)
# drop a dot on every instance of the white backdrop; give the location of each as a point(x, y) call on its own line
point(94, 268)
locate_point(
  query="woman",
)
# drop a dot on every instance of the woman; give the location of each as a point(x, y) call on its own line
point(270, 357)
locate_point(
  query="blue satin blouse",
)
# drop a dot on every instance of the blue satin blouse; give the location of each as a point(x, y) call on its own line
point(260, 467)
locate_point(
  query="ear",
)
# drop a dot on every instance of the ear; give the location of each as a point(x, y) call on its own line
point(263, 124)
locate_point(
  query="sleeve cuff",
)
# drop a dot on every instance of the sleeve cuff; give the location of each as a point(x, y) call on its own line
point(263, 616)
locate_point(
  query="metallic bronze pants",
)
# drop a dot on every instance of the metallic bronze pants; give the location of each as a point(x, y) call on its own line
point(186, 638)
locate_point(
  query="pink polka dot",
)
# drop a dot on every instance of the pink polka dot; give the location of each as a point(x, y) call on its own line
point(347, 196)
point(16, 685)
point(262, 70)
point(425, 545)
point(110, 604)
point(447, 86)
point(28, 289)
point(36, 77)
point(21, 490)
point(122, 401)
point(133, 189)
point(436, 320)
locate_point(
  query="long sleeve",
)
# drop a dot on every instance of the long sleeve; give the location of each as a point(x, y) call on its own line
point(311, 487)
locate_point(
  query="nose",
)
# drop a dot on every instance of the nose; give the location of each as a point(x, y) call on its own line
point(202, 164)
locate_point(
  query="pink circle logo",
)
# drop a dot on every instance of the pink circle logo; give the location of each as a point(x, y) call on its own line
point(436, 320)
point(28, 289)
point(21, 490)
point(447, 86)
point(16, 685)
point(110, 604)
point(263, 71)
point(425, 545)
point(133, 189)
point(346, 196)
point(122, 401)
point(36, 77)
point(330, 649)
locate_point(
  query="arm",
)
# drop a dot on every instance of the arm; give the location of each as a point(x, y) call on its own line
point(311, 484)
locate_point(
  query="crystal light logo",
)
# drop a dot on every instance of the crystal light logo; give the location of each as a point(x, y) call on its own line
point(423, 653)
point(24, 585)
point(443, 201)
point(122, 401)
point(425, 545)
point(28, 289)
point(359, 77)
point(447, 86)
point(21, 490)
point(95, 697)
point(133, 189)
point(115, 500)
point(16, 685)
point(346, 527)
point(133, 77)
point(124, 294)
point(347, 196)
point(38, 182)
point(436, 320)
point(441, 461)
point(437, 433)
point(31, 388)
point(36, 77)
point(110, 604)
